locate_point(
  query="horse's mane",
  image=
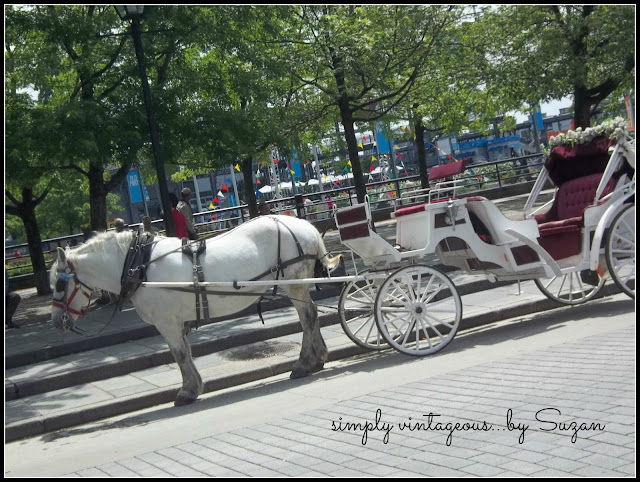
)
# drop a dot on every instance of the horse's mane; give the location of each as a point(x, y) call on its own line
point(99, 243)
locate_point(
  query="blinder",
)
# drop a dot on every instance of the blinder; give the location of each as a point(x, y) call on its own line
point(61, 285)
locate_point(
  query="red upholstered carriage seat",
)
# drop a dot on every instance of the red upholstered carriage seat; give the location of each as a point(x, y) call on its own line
point(436, 173)
point(418, 208)
point(577, 171)
point(447, 170)
point(560, 226)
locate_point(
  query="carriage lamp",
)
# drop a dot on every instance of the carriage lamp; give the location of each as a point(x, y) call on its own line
point(134, 14)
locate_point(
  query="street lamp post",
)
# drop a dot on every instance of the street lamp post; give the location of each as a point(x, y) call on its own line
point(134, 13)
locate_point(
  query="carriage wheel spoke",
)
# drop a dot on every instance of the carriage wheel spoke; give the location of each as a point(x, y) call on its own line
point(393, 309)
point(427, 290)
point(430, 317)
point(412, 323)
point(436, 320)
point(402, 291)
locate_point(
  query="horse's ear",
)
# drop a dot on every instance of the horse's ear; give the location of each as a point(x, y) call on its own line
point(62, 256)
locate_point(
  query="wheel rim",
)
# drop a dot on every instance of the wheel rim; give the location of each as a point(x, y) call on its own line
point(620, 251)
point(357, 316)
point(418, 310)
point(569, 289)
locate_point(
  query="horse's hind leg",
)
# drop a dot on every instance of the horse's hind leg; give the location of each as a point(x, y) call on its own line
point(314, 351)
point(192, 385)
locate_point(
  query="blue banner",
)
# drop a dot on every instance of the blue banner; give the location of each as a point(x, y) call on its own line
point(383, 143)
point(134, 187)
point(536, 120)
point(295, 167)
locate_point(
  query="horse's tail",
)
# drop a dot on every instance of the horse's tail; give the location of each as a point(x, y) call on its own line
point(329, 262)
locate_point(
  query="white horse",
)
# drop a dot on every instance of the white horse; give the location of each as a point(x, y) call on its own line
point(245, 253)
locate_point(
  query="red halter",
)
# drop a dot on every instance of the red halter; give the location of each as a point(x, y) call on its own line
point(65, 303)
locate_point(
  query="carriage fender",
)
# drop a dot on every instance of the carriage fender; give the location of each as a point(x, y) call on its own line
point(550, 262)
point(604, 223)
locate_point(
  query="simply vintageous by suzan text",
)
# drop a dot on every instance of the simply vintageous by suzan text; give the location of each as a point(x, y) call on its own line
point(546, 420)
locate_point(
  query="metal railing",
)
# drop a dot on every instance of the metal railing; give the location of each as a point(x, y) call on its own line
point(319, 205)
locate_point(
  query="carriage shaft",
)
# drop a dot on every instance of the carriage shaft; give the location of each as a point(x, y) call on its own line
point(232, 284)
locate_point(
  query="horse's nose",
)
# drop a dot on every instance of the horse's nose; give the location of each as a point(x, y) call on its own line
point(61, 319)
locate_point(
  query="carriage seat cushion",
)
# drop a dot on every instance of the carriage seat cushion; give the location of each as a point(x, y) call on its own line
point(563, 226)
point(560, 227)
point(572, 198)
point(418, 208)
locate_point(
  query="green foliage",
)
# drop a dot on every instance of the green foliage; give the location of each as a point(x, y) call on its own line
point(15, 227)
point(66, 209)
point(229, 81)
point(547, 52)
point(507, 124)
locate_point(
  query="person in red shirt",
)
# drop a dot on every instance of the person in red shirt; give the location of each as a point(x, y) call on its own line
point(179, 220)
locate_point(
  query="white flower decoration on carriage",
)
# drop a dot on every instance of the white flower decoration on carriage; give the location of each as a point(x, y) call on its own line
point(612, 129)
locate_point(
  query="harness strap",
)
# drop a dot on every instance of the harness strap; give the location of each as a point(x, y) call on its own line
point(198, 277)
point(135, 266)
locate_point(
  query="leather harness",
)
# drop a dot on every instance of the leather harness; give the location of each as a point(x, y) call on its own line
point(139, 258)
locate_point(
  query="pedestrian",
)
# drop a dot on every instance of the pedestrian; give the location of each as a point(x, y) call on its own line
point(263, 209)
point(148, 227)
point(185, 208)
point(179, 221)
point(119, 224)
point(17, 253)
point(11, 301)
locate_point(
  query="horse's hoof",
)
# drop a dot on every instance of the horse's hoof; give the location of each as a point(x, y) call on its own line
point(183, 400)
point(298, 373)
point(319, 366)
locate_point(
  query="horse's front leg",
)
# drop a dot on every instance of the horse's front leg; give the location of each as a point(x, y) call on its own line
point(192, 385)
point(314, 350)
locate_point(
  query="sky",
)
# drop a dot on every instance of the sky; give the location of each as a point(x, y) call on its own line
point(551, 108)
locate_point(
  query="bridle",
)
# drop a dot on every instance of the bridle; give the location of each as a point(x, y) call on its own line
point(64, 275)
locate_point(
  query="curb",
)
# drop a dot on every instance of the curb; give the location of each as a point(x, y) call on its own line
point(40, 425)
point(120, 367)
point(146, 331)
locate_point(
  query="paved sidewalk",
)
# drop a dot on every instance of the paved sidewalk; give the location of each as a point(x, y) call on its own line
point(572, 429)
point(555, 390)
point(103, 381)
point(55, 380)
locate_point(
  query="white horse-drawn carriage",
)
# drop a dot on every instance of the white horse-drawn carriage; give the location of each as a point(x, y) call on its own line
point(587, 234)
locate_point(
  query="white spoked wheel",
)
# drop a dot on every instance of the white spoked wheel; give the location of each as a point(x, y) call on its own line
point(620, 250)
point(569, 289)
point(356, 314)
point(418, 310)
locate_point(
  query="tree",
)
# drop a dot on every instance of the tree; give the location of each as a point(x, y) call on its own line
point(25, 187)
point(29, 129)
point(550, 51)
point(245, 101)
point(357, 57)
point(71, 59)
point(66, 209)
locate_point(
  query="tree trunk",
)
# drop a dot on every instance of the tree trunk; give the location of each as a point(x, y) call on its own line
point(582, 108)
point(418, 129)
point(26, 210)
point(352, 148)
point(249, 193)
point(97, 198)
